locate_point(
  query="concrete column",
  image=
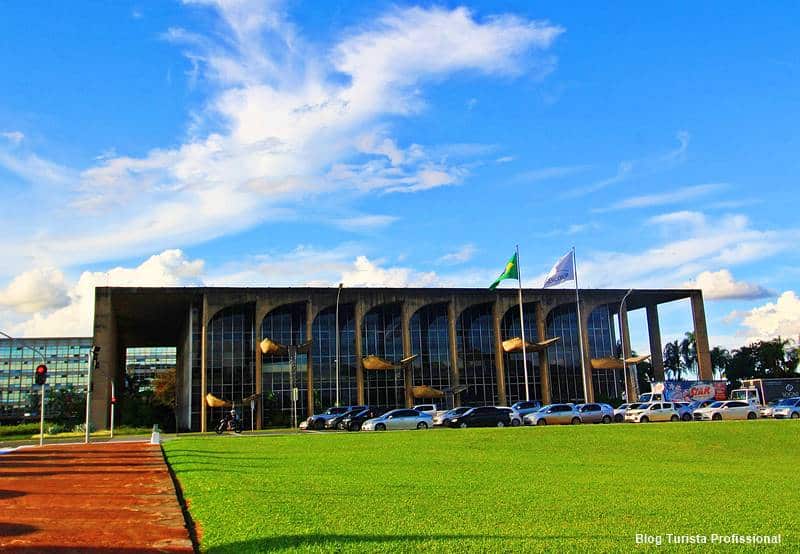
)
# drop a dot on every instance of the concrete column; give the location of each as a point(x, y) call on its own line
point(544, 364)
point(358, 318)
point(455, 371)
point(630, 378)
point(656, 349)
point(203, 365)
point(105, 336)
point(701, 337)
point(405, 324)
point(497, 315)
point(309, 361)
point(586, 312)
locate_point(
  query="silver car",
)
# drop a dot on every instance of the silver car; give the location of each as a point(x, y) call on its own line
point(402, 418)
point(444, 418)
point(595, 413)
point(554, 414)
point(787, 408)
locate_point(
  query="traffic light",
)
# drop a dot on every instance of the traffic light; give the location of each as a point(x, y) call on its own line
point(41, 374)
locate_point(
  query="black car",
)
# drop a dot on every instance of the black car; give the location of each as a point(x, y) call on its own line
point(486, 416)
point(336, 422)
point(353, 422)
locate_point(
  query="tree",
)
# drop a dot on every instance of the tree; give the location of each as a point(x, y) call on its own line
point(720, 361)
point(774, 358)
point(672, 359)
point(164, 388)
point(688, 352)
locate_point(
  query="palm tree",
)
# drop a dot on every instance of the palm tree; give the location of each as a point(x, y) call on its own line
point(672, 359)
point(720, 360)
point(688, 352)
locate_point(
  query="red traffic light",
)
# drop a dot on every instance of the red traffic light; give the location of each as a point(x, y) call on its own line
point(113, 399)
point(41, 374)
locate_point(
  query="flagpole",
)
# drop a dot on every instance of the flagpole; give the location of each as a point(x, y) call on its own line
point(522, 330)
point(580, 326)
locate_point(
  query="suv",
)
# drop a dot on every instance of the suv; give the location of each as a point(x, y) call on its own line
point(554, 414)
point(336, 422)
point(429, 409)
point(653, 411)
point(595, 413)
point(486, 416)
point(353, 422)
point(526, 407)
point(726, 409)
point(317, 421)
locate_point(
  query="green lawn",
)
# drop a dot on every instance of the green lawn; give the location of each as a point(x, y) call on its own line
point(587, 488)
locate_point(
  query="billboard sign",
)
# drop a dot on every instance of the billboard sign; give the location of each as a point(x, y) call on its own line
point(687, 391)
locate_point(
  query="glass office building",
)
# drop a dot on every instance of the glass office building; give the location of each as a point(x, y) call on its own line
point(146, 362)
point(67, 361)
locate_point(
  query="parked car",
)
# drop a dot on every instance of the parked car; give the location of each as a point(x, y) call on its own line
point(526, 407)
point(595, 413)
point(766, 411)
point(652, 411)
point(430, 409)
point(336, 422)
point(317, 421)
point(619, 413)
point(513, 415)
point(787, 408)
point(726, 409)
point(485, 416)
point(684, 410)
point(443, 418)
point(402, 418)
point(554, 414)
point(354, 422)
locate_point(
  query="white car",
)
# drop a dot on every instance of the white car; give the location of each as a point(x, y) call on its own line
point(726, 409)
point(513, 415)
point(652, 411)
point(787, 408)
point(402, 418)
point(619, 413)
point(430, 409)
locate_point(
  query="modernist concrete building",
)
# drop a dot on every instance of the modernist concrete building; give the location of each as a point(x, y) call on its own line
point(457, 345)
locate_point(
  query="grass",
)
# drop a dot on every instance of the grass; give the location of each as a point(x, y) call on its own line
point(30, 431)
point(577, 489)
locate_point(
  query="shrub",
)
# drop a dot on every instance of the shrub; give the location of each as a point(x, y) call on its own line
point(54, 429)
point(21, 429)
point(81, 428)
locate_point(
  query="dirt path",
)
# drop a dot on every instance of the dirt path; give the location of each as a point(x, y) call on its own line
point(112, 497)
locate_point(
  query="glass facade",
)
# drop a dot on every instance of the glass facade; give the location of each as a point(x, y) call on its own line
point(382, 336)
point(430, 341)
point(196, 346)
point(147, 362)
point(608, 383)
point(324, 357)
point(230, 339)
point(475, 342)
point(564, 358)
point(514, 367)
point(287, 326)
point(67, 361)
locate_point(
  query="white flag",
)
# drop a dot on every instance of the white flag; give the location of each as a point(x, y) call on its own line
point(564, 270)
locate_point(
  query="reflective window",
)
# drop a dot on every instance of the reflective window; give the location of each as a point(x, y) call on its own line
point(475, 341)
point(515, 374)
point(286, 326)
point(608, 383)
point(383, 337)
point(324, 357)
point(231, 358)
point(566, 381)
point(430, 341)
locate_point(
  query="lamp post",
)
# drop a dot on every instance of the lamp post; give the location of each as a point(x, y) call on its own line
point(338, 293)
point(41, 407)
point(622, 340)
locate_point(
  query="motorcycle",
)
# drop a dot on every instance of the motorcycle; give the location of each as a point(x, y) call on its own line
point(228, 424)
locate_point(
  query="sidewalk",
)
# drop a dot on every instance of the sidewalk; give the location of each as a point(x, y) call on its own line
point(110, 497)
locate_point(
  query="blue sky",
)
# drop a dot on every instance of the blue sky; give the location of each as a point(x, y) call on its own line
point(275, 143)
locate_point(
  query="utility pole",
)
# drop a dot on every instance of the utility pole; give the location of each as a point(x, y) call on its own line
point(337, 341)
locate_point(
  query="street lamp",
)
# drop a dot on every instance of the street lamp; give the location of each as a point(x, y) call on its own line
point(622, 340)
point(338, 293)
point(41, 407)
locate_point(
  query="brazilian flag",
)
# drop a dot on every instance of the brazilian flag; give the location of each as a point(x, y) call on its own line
point(511, 272)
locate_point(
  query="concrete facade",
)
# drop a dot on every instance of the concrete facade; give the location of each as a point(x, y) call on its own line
point(181, 317)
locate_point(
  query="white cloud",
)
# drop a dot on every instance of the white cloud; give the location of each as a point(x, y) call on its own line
point(774, 319)
point(76, 314)
point(365, 222)
point(366, 273)
point(463, 254)
point(280, 128)
point(35, 290)
point(720, 285)
point(661, 199)
point(14, 137)
point(547, 173)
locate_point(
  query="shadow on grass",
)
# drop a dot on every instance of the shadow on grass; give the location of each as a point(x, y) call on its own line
point(336, 542)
